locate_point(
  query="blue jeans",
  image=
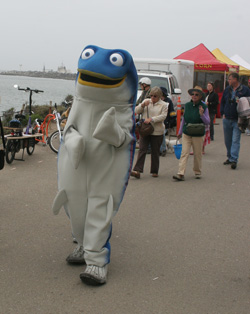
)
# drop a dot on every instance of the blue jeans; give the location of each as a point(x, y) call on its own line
point(232, 136)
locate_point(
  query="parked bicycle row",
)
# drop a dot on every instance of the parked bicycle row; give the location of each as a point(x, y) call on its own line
point(47, 131)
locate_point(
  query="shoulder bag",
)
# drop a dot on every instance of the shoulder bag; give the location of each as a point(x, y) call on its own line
point(197, 129)
point(145, 129)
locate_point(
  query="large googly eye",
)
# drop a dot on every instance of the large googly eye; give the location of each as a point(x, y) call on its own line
point(87, 53)
point(116, 59)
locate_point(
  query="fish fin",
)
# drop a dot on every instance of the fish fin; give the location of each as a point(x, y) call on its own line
point(60, 199)
point(75, 146)
point(108, 129)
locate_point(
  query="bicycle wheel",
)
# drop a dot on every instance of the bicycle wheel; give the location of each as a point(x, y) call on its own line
point(31, 146)
point(10, 151)
point(17, 144)
point(54, 141)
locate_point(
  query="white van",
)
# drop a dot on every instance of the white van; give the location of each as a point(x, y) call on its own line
point(175, 75)
point(161, 79)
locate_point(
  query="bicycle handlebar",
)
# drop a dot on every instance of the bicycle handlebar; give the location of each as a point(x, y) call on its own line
point(27, 89)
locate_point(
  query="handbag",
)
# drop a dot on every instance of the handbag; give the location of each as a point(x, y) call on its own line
point(197, 129)
point(145, 129)
point(2, 151)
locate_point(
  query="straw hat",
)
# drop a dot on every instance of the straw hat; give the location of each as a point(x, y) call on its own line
point(196, 89)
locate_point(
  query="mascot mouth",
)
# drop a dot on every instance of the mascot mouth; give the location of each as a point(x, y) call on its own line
point(98, 80)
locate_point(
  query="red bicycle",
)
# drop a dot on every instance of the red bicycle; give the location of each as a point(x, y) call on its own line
point(42, 126)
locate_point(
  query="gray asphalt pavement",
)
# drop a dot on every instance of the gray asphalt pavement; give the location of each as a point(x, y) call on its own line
point(177, 247)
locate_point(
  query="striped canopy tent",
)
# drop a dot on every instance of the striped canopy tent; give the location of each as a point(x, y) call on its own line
point(223, 58)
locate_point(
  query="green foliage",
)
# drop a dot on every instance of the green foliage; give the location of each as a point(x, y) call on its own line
point(34, 117)
point(38, 112)
point(7, 116)
point(69, 98)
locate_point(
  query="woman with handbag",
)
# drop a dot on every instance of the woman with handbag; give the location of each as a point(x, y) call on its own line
point(154, 111)
point(192, 131)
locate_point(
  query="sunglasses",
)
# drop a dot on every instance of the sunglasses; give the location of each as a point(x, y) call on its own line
point(153, 96)
point(195, 94)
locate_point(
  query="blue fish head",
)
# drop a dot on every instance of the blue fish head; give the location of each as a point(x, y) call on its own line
point(110, 70)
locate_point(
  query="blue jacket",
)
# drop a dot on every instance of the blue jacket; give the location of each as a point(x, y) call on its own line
point(228, 106)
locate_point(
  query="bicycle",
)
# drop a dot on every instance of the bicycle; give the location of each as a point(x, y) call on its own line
point(14, 145)
point(56, 137)
point(16, 140)
point(31, 91)
point(65, 114)
point(42, 127)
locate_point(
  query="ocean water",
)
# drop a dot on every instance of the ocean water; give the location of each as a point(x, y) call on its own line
point(55, 90)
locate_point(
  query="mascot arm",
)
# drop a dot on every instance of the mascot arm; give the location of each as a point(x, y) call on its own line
point(108, 130)
point(74, 144)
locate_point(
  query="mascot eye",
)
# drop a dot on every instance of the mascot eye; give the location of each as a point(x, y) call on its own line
point(116, 59)
point(87, 53)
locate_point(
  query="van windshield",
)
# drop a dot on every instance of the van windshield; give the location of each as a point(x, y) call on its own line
point(156, 81)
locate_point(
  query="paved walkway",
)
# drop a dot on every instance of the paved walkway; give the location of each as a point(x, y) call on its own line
point(177, 247)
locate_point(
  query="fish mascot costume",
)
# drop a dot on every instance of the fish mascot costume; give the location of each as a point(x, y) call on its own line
point(96, 155)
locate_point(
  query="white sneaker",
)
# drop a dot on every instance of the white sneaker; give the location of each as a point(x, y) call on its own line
point(94, 275)
point(77, 257)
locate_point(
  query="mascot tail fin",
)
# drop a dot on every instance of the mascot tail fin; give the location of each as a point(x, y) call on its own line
point(59, 201)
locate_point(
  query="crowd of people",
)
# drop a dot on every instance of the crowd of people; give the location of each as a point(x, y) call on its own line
point(197, 124)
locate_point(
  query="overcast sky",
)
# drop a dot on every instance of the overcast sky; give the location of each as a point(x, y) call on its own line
point(51, 32)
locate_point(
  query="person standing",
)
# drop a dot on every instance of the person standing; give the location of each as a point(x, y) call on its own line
point(248, 127)
point(228, 110)
point(165, 98)
point(145, 84)
point(212, 100)
point(153, 110)
point(195, 115)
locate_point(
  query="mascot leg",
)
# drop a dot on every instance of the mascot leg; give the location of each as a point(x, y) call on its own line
point(77, 219)
point(96, 240)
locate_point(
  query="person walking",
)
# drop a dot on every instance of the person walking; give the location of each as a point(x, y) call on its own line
point(157, 113)
point(212, 100)
point(192, 131)
point(228, 110)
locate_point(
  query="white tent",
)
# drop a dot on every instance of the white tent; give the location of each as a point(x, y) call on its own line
point(240, 61)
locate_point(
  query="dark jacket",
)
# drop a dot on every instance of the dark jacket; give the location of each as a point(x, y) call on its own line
point(228, 105)
point(170, 121)
point(213, 100)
